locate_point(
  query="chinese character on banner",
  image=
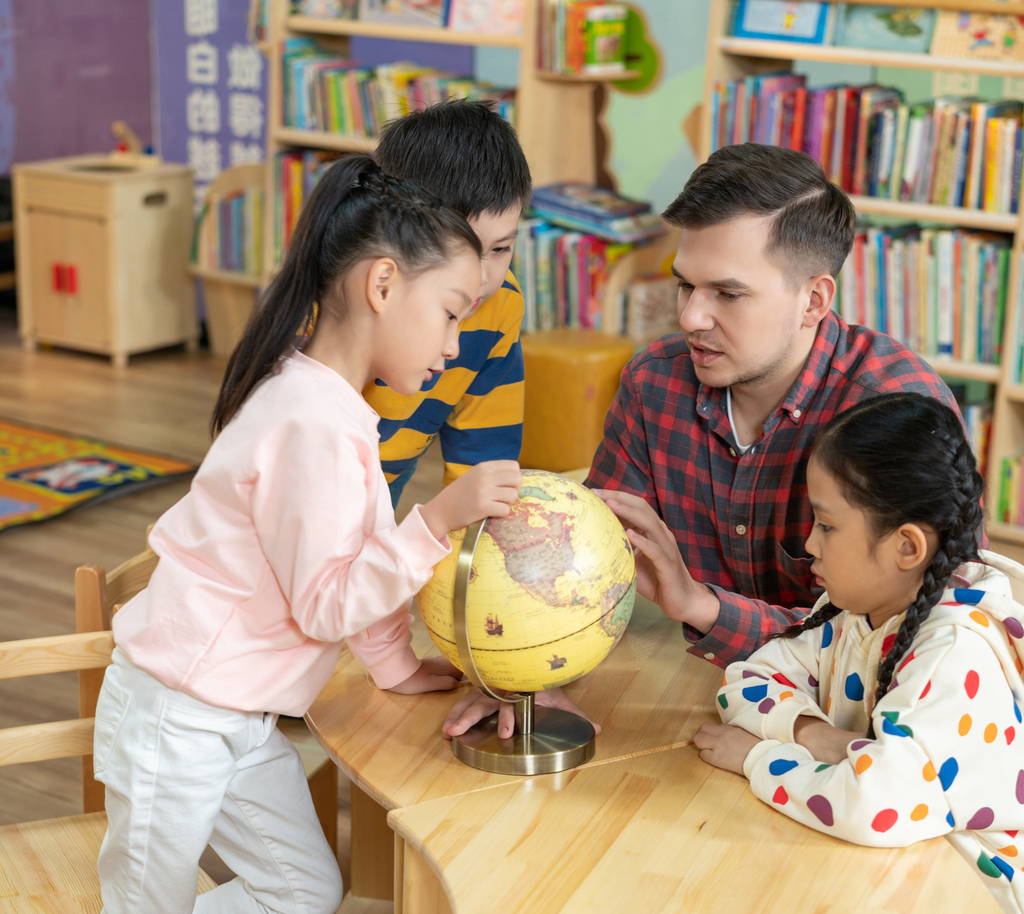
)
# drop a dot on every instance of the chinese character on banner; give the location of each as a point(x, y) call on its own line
point(201, 63)
point(245, 114)
point(200, 17)
point(203, 111)
point(240, 153)
point(204, 157)
point(245, 67)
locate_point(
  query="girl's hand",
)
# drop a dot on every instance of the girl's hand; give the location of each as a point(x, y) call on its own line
point(825, 742)
point(435, 674)
point(661, 575)
point(724, 746)
point(486, 490)
point(474, 706)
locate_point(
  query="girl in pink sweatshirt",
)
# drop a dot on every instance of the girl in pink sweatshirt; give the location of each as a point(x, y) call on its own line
point(285, 546)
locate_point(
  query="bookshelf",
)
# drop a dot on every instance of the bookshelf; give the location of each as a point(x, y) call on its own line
point(730, 58)
point(550, 108)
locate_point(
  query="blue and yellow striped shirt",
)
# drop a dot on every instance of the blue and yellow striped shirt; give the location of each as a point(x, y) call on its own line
point(475, 405)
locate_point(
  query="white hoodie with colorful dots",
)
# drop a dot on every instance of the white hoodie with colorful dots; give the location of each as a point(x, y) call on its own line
point(948, 757)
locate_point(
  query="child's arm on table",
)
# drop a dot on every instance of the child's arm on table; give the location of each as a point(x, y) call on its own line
point(895, 789)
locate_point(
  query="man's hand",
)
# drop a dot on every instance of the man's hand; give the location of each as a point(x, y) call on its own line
point(435, 674)
point(825, 742)
point(474, 706)
point(661, 575)
point(724, 746)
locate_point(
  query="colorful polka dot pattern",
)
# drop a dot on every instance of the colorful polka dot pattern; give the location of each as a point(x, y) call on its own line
point(854, 688)
point(826, 635)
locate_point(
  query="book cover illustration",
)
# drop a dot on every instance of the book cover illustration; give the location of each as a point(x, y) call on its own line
point(978, 35)
point(489, 17)
point(326, 9)
point(884, 28)
point(425, 13)
point(783, 20)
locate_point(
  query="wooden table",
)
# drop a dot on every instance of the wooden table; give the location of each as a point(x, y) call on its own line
point(660, 833)
point(648, 695)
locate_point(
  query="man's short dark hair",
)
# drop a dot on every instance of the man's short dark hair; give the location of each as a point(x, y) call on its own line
point(813, 222)
point(462, 151)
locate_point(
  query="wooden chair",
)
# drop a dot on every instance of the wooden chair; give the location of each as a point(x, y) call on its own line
point(97, 597)
point(50, 865)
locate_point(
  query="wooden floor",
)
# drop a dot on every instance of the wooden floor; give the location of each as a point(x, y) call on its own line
point(161, 402)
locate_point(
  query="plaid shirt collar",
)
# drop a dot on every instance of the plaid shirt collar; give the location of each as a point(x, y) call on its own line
point(710, 401)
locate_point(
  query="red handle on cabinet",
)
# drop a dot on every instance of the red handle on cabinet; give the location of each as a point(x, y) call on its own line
point(58, 277)
point(71, 274)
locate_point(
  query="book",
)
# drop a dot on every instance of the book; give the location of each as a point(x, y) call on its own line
point(423, 13)
point(779, 20)
point(488, 17)
point(587, 201)
point(981, 36)
point(326, 9)
point(884, 28)
point(651, 308)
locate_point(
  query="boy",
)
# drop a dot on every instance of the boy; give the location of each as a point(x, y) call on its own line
point(470, 157)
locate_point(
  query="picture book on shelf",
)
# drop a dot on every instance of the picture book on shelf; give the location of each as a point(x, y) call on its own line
point(980, 36)
point(326, 9)
point(884, 28)
point(597, 210)
point(784, 20)
point(488, 17)
point(425, 13)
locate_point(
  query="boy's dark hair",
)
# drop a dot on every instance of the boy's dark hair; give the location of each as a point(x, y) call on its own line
point(814, 221)
point(903, 458)
point(462, 151)
point(355, 212)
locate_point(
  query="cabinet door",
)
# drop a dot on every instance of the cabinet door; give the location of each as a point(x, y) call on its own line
point(70, 278)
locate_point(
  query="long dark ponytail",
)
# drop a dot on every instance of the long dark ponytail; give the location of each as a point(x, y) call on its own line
point(355, 212)
point(904, 458)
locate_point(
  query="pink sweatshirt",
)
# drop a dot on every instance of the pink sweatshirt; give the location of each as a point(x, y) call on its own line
point(285, 545)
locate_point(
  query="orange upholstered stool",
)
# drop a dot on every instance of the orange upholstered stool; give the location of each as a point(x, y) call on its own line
point(571, 379)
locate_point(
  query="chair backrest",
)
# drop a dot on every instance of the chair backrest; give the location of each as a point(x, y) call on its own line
point(97, 596)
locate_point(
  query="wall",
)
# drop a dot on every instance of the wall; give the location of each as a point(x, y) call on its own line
point(68, 68)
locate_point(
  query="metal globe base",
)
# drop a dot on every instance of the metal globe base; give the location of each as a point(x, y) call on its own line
point(556, 741)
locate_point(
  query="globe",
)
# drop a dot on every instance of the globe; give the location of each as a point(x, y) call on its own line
point(550, 592)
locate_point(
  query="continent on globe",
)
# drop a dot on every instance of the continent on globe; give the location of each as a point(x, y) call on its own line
point(537, 547)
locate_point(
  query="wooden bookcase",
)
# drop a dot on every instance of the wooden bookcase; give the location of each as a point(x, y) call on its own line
point(557, 116)
point(730, 58)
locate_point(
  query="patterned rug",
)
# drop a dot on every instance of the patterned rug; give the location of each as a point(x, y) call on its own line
point(45, 473)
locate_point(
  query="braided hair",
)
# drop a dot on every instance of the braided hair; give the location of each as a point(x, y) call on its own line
point(904, 458)
point(355, 212)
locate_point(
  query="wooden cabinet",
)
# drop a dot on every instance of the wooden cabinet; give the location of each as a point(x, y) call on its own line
point(102, 246)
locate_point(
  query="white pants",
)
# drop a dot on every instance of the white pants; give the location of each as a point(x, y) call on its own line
point(181, 774)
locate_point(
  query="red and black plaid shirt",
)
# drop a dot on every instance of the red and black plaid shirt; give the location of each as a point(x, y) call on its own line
point(741, 519)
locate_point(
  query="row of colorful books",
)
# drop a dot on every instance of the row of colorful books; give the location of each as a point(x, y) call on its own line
point(978, 419)
point(495, 17)
point(234, 233)
point(295, 175)
point(1010, 509)
point(941, 33)
point(941, 292)
point(948, 151)
point(582, 36)
point(323, 92)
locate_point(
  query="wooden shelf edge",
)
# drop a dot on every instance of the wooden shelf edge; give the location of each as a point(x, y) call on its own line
point(928, 212)
point(588, 77)
point(1007, 532)
point(1014, 392)
point(970, 371)
point(795, 50)
point(321, 140)
point(312, 25)
point(238, 279)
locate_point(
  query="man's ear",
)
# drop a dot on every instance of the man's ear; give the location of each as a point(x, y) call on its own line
point(380, 283)
point(821, 292)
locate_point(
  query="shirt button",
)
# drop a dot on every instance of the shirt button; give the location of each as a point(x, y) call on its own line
point(796, 414)
point(732, 453)
point(740, 529)
point(709, 656)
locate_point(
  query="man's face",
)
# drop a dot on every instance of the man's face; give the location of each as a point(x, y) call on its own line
point(740, 315)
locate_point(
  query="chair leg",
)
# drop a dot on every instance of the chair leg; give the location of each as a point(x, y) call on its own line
point(323, 787)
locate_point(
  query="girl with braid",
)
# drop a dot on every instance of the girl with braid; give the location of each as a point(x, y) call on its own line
point(892, 713)
point(286, 546)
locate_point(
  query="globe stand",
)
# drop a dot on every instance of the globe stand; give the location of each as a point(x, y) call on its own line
point(544, 740)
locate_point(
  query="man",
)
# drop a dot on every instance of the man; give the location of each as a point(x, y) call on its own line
point(707, 441)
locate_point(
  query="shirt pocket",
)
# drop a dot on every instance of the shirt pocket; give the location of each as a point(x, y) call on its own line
point(111, 708)
point(797, 569)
